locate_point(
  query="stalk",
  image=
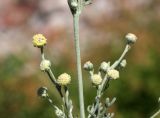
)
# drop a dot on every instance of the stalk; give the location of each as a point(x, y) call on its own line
point(78, 62)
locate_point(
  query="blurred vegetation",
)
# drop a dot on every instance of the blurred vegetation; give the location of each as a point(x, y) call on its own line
point(137, 90)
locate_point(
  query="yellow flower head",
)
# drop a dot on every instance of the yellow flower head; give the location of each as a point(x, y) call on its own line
point(64, 79)
point(39, 40)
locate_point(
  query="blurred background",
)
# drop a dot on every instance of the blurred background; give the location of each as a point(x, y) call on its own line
point(103, 26)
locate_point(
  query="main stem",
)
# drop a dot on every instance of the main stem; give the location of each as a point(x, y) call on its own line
point(79, 71)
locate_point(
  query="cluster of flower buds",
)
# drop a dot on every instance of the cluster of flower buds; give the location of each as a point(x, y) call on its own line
point(96, 79)
point(105, 68)
point(39, 41)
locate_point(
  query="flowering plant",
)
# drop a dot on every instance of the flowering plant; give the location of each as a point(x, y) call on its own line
point(106, 73)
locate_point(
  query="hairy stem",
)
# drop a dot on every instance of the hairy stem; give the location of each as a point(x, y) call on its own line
point(68, 103)
point(81, 5)
point(78, 61)
point(99, 94)
point(53, 79)
point(116, 63)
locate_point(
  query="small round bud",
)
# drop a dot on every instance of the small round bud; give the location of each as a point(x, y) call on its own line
point(39, 40)
point(96, 79)
point(64, 79)
point(88, 66)
point(123, 63)
point(42, 92)
point(131, 38)
point(45, 65)
point(104, 66)
point(114, 74)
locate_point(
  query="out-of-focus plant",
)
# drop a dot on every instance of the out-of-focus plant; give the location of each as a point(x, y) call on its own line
point(106, 73)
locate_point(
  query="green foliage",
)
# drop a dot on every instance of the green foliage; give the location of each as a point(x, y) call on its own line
point(10, 66)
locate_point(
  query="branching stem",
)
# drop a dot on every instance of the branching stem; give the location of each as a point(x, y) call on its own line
point(51, 75)
point(99, 94)
point(116, 63)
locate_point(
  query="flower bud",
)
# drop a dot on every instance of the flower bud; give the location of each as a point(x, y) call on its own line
point(104, 66)
point(64, 79)
point(45, 65)
point(42, 92)
point(39, 40)
point(123, 63)
point(131, 38)
point(114, 74)
point(96, 79)
point(88, 66)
